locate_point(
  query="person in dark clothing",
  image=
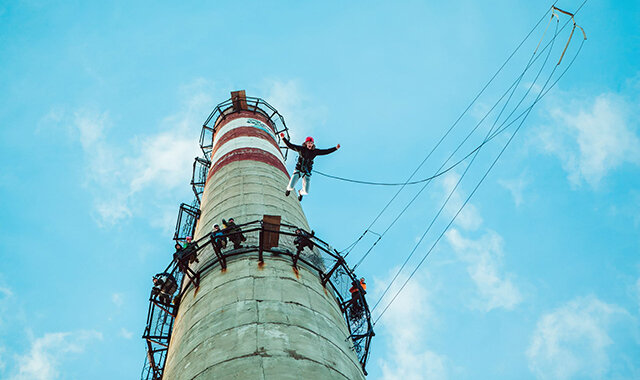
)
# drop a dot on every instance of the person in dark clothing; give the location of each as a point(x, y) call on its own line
point(187, 241)
point(186, 254)
point(356, 298)
point(302, 240)
point(306, 153)
point(190, 250)
point(218, 241)
point(164, 285)
point(234, 232)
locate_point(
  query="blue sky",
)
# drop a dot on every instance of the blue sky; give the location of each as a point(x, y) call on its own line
point(100, 111)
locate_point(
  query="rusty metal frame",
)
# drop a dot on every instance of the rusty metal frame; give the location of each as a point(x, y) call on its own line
point(199, 176)
point(226, 108)
point(339, 274)
point(186, 223)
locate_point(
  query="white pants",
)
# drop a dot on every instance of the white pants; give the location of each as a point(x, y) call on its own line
point(306, 182)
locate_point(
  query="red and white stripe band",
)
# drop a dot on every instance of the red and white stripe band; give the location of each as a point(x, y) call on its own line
point(245, 138)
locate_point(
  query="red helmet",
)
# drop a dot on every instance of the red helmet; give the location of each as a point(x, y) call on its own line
point(309, 139)
point(188, 238)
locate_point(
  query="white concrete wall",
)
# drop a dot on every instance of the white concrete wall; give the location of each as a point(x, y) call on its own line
point(260, 323)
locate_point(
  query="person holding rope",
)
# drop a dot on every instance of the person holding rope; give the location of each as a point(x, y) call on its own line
point(306, 153)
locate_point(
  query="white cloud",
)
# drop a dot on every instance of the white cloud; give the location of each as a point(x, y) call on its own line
point(126, 333)
point(91, 128)
point(479, 110)
point(119, 173)
point(159, 164)
point(112, 210)
point(166, 158)
point(469, 218)
point(592, 138)
point(117, 299)
point(105, 178)
point(516, 187)
point(483, 258)
point(406, 325)
point(5, 293)
point(299, 112)
point(164, 220)
point(46, 353)
point(572, 340)
point(6, 301)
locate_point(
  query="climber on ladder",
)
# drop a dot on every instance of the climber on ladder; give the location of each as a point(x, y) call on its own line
point(306, 153)
point(358, 289)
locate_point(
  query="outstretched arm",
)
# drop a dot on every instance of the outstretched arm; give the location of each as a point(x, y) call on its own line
point(289, 144)
point(321, 152)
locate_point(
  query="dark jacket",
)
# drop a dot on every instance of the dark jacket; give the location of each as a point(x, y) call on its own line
point(303, 239)
point(306, 155)
point(165, 283)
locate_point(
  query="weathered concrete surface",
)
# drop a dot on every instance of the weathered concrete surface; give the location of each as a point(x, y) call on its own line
point(246, 191)
point(252, 322)
point(257, 322)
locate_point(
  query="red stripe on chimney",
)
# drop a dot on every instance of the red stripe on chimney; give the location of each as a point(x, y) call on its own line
point(244, 154)
point(243, 132)
point(248, 114)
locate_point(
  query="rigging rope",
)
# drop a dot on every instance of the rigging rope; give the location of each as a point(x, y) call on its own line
point(449, 130)
point(409, 182)
point(532, 60)
point(539, 97)
point(468, 167)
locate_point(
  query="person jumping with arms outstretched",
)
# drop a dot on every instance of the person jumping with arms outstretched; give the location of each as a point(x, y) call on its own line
point(306, 153)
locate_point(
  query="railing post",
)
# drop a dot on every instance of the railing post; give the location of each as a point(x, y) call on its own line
point(296, 257)
point(221, 257)
point(269, 236)
point(326, 277)
point(260, 243)
point(193, 276)
point(223, 261)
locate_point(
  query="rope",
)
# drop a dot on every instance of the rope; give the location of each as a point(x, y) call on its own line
point(540, 96)
point(464, 173)
point(409, 182)
point(452, 126)
point(532, 60)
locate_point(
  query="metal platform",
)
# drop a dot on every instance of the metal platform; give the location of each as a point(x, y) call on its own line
point(262, 239)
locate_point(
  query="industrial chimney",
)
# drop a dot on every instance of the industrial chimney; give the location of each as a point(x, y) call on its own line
point(254, 302)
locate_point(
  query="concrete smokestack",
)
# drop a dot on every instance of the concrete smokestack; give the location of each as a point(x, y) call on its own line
point(256, 319)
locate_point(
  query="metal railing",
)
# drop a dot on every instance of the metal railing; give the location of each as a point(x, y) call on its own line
point(226, 108)
point(199, 176)
point(157, 332)
point(186, 223)
point(262, 239)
